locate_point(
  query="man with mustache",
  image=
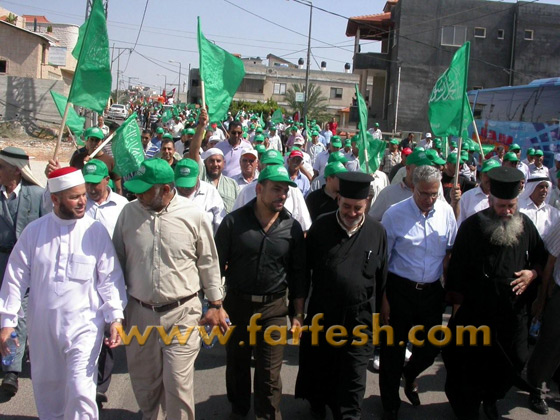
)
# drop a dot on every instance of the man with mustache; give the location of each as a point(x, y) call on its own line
point(497, 256)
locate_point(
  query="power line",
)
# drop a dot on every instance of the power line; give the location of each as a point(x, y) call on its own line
point(139, 32)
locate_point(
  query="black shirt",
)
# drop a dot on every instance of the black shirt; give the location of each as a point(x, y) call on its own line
point(319, 202)
point(256, 262)
point(447, 185)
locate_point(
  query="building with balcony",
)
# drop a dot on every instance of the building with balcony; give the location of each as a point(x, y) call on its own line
point(511, 44)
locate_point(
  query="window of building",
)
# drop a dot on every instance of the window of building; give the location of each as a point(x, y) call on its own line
point(251, 86)
point(529, 33)
point(279, 88)
point(479, 32)
point(3, 66)
point(336, 93)
point(501, 34)
point(454, 36)
point(477, 87)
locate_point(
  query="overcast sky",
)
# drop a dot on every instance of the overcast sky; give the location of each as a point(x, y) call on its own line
point(252, 28)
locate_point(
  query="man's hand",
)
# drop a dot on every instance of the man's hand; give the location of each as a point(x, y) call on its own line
point(297, 323)
point(203, 118)
point(216, 317)
point(51, 166)
point(524, 279)
point(455, 194)
point(4, 336)
point(385, 310)
point(115, 339)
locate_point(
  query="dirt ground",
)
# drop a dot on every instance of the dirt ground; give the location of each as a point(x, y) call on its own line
point(37, 148)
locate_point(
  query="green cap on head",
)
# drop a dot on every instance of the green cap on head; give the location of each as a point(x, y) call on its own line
point(453, 143)
point(94, 132)
point(434, 157)
point(452, 158)
point(539, 152)
point(514, 147)
point(530, 151)
point(259, 138)
point(95, 171)
point(510, 157)
point(314, 133)
point(160, 130)
point(394, 141)
point(272, 157)
point(348, 143)
point(259, 130)
point(334, 168)
point(419, 158)
point(188, 131)
point(337, 157)
point(489, 164)
point(260, 148)
point(167, 136)
point(151, 172)
point(335, 141)
point(276, 173)
point(186, 173)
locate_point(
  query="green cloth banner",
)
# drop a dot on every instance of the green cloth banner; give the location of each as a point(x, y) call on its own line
point(91, 86)
point(448, 107)
point(277, 116)
point(375, 148)
point(127, 147)
point(222, 73)
point(74, 122)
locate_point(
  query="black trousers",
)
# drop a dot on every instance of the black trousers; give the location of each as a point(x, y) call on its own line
point(545, 359)
point(268, 358)
point(104, 368)
point(408, 307)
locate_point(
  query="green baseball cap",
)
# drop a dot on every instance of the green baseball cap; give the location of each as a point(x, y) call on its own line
point(347, 143)
point(376, 125)
point(335, 141)
point(260, 148)
point(159, 130)
point(489, 164)
point(95, 171)
point(186, 173)
point(167, 136)
point(151, 172)
point(259, 130)
point(251, 126)
point(337, 157)
point(272, 127)
point(539, 153)
point(314, 133)
point(394, 141)
point(530, 151)
point(272, 157)
point(510, 157)
point(464, 154)
point(259, 138)
point(434, 157)
point(189, 131)
point(293, 128)
point(453, 143)
point(514, 147)
point(419, 158)
point(452, 158)
point(276, 173)
point(94, 132)
point(334, 168)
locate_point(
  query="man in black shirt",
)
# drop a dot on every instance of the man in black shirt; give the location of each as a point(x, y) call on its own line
point(262, 255)
point(324, 200)
point(447, 180)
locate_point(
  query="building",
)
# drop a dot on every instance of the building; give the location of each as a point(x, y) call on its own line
point(272, 79)
point(511, 44)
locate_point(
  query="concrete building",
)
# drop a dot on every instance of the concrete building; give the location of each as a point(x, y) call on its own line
point(511, 44)
point(272, 79)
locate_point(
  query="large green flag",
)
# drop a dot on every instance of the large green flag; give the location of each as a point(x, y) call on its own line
point(74, 122)
point(221, 72)
point(127, 147)
point(166, 116)
point(366, 142)
point(448, 107)
point(91, 85)
point(277, 116)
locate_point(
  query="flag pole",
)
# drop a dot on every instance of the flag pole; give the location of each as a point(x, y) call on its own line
point(202, 94)
point(107, 140)
point(477, 137)
point(61, 131)
point(456, 179)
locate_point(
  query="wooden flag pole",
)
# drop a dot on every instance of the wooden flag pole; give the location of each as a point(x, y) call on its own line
point(107, 140)
point(61, 131)
point(202, 94)
point(456, 179)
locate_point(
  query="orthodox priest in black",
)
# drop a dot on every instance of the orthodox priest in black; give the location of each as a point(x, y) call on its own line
point(496, 257)
point(346, 265)
point(325, 199)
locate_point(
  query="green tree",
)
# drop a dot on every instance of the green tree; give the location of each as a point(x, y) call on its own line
point(266, 108)
point(316, 103)
point(11, 18)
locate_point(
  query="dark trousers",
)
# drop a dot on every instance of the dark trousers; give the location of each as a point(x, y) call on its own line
point(545, 359)
point(408, 307)
point(268, 359)
point(104, 368)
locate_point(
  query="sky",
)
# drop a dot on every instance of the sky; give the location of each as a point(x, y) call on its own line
point(252, 28)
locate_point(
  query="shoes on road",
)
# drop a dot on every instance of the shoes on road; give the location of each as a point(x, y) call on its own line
point(538, 404)
point(10, 383)
point(411, 392)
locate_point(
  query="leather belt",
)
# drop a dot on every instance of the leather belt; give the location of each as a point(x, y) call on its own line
point(414, 285)
point(167, 306)
point(259, 298)
point(6, 249)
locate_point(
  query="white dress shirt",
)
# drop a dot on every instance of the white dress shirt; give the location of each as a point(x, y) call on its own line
point(472, 201)
point(207, 198)
point(544, 216)
point(107, 212)
point(321, 161)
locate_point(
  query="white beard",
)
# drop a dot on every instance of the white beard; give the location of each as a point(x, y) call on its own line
point(503, 232)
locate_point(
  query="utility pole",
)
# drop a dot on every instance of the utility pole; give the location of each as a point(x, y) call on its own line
point(89, 4)
point(179, 84)
point(304, 116)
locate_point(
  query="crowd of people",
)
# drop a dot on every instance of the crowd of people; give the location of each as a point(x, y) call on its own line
point(274, 228)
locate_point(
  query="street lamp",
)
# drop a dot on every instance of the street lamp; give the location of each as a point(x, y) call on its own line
point(178, 94)
point(164, 75)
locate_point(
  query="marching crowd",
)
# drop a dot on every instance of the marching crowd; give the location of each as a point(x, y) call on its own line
point(260, 227)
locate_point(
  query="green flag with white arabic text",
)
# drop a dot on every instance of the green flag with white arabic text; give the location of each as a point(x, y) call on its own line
point(221, 72)
point(74, 122)
point(91, 85)
point(374, 147)
point(127, 147)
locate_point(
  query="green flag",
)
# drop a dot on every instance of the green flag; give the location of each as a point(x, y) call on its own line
point(366, 142)
point(91, 85)
point(448, 107)
point(277, 117)
point(167, 115)
point(127, 147)
point(221, 73)
point(74, 122)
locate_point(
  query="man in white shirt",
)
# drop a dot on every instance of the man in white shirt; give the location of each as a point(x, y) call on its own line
point(274, 140)
point(533, 202)
point(426, 142)
point(75, 286)
point(376, 132)
point(323, 158)
point(420, 234)
point(176, 128)
point(248, 162)
point(314, 147)
point(538, 168)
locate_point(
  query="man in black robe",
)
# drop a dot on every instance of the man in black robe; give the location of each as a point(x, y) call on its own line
point(496, 257)
point(325, 199)
point(346, 263)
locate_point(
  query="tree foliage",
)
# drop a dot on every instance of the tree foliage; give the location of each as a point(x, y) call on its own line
point(267, 108)
point(316, 103)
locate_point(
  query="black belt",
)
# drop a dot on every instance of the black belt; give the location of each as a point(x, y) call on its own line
point(6, 249)
point(259, 298)
point(167, 306)
point(412, 284)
